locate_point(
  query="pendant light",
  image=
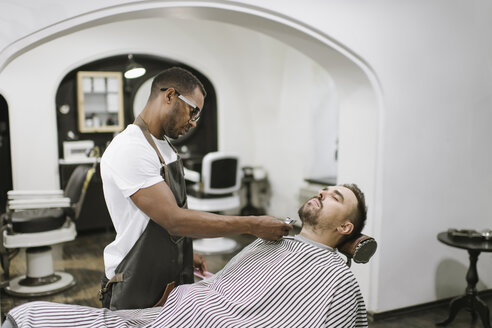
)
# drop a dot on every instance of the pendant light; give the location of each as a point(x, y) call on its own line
point(133, 70)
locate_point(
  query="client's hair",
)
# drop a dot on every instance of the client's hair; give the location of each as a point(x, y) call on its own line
point(358, 218)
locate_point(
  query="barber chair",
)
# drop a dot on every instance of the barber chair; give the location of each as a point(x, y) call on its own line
point(215, 189)
point(35, 220)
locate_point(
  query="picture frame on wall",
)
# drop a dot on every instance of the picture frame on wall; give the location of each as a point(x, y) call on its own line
point(100, 101)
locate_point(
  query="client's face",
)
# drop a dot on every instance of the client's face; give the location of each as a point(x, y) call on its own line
point(330, 208)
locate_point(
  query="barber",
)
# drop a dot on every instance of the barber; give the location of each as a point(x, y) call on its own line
point(144, 189)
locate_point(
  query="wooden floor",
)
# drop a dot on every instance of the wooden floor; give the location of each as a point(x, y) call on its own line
point(428, 318)
point(83, 259)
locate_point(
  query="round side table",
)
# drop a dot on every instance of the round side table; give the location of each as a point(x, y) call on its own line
point(470, 300)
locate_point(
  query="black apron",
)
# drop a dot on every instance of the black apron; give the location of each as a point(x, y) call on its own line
point(157, 258)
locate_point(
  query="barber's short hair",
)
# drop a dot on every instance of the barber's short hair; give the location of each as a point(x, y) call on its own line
point(179, 78)
point(358, 218)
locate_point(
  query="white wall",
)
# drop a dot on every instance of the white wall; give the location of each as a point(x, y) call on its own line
point(433, 62)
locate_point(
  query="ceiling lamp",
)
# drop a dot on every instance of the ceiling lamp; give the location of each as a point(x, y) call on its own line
point(133, 70)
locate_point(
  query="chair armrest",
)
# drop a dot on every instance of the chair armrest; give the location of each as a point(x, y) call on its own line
point(191, 175)
point(29, 194)
point(34, 203)
point(33, 199)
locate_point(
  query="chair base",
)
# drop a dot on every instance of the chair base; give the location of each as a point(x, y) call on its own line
point(43, 286)
point(212, 246)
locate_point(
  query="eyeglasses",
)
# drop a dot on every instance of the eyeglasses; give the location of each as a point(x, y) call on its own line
point(195, 112)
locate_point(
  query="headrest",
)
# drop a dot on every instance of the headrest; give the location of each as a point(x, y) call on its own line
point(360, 248)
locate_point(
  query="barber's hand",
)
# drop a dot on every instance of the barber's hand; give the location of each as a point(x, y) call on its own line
point(270, 228)
point(199, 263)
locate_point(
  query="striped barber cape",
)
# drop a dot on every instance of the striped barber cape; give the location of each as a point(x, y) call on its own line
point(287, 283)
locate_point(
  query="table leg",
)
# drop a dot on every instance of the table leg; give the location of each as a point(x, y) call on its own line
point(483, 312)
point(455, 305)
point(470, 300)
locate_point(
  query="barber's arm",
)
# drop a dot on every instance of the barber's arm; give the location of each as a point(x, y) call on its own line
point(158, 202)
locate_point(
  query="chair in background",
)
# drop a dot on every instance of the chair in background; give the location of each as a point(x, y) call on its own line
point(215, 189)
point(35, 220)
point(248, 180)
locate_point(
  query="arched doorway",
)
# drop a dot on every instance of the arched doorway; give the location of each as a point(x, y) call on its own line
point(199, 141)
point(358, 88)
point(5, 160)
point(359, 93)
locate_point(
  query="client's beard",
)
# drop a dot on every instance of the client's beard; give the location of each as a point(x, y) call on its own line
point(309, 216)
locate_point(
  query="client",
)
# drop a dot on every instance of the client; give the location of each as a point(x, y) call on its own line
point(300, 281)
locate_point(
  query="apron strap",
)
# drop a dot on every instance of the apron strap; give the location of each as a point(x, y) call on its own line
point(143, 126)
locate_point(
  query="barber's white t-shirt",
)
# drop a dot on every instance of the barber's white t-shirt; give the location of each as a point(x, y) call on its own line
point(128, 164)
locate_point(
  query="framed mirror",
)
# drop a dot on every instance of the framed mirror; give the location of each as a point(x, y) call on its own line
point(100, 101)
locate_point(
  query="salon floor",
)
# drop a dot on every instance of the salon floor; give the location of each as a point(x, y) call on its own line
point(83, 259)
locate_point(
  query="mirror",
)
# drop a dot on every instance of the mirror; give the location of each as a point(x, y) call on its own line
point(141, 96)
point(100, 101)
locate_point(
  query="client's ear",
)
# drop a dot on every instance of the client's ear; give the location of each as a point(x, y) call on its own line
point(346, 228)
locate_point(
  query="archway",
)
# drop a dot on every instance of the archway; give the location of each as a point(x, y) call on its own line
point(201, 140)
point(5, 160)
point(358, 87)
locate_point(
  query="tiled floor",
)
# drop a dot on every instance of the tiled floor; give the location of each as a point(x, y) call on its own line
point(83, 259)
